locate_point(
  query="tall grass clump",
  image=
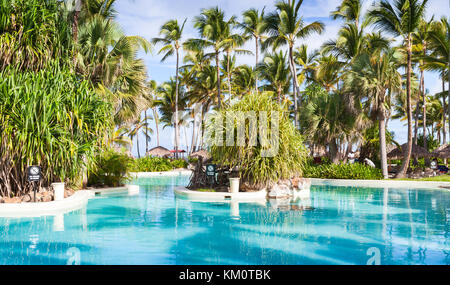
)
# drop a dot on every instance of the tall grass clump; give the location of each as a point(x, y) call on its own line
point(49, 118)
point(256, 167)
point(33, 32)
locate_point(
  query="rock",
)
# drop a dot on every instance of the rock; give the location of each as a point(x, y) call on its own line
point(47, 198)
point(305, 184)
point(14, 200)
point(285, 182)
point(27, 198)
point(68, 193)
point(280, 191)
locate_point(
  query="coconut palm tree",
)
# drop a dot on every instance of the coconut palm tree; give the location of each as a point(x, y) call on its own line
point(254, 25)
point(244, 80)
point(172, 33)
point(286, 27)
point(350, 11)
point(328, 72)
point(306, 62)
point(275, 71)
point(167, 102)
point(439, 57)
point(374, 77)
point(136, 127)
point(421, 40)
point(401, 18)
point(152, 100)
point(215, 33)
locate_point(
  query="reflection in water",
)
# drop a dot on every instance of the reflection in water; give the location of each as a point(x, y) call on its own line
point(58, 223)
point(346, 226)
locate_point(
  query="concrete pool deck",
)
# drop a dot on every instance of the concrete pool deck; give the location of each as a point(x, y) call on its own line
point(403, 184)
point(75, 202)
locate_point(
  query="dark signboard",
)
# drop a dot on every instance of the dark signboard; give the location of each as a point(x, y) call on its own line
point(34, 173)
point(210, 170)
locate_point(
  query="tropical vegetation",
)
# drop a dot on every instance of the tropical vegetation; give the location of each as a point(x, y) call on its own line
point(57, 58)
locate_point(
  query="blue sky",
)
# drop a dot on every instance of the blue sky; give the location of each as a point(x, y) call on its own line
point(145, 17)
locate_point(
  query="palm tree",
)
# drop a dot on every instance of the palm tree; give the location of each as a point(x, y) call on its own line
point(152, 100)
point(349, 10)
point(439, 58)
point(286, 27)
point(172, 34)
point(254, 25)
point(244, 80)
point(307, 63)
point(108, 59)
point(401, 19)
point(421, 39)
point(275, 71)
point(138, 125)
point(167, 103)
point(215, 33)
point(325, 119)
point(374, 77)
point(328, 72)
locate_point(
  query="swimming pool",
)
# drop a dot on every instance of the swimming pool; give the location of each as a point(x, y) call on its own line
point(345, 226)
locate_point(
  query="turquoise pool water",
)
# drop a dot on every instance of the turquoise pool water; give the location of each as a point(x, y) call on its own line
point(346, 226)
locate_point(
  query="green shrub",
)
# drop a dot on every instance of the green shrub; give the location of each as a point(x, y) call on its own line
point(111, 169)
point(179, 163)
point(150, 164)
point(193, 160)
point(49, 118)
point(342, 171)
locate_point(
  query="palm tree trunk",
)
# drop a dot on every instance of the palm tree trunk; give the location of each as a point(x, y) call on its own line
point(75, 33)
point(176, 109)
point(229, 76)
point(424, 114)
point(448, 86)
point(383, 152)
point(256, 63)
point(137, 144)
point(146, 133)
point(218, 80)
point(294, 83)
point(193, 135)
point(155, 114)
point(334, 153)
point(407, 157)
point(444, 133)
point(416, 121)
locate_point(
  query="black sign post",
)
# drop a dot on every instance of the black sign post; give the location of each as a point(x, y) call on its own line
point(211, 172)
point(34, 175)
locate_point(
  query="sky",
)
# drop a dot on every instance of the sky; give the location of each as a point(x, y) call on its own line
point(145, 17)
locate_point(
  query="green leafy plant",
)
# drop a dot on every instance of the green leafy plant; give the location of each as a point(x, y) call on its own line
point(257, 167)
point(341, 171)
point(179, 163)
point(150, 164)
point(49, 118)
point(111, 169)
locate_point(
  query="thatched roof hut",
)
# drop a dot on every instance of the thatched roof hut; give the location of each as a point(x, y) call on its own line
point(159, 151)
point(416, 152)
point(442, 151)
point(201, 153)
